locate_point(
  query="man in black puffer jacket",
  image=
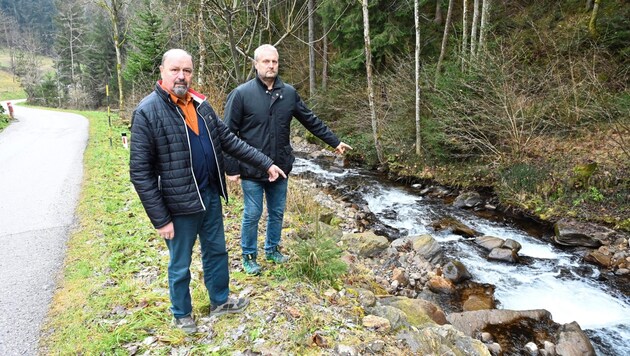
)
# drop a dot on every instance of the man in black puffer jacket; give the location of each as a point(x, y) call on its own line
point(260, 112)
point(177, 169)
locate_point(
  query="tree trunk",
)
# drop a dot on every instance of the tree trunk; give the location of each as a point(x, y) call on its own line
point(311, 47)
point(115, 15)
point(438, 13)
point(444, 40)
point(416, 15)
point(325, 60)
point(592, 25)
point(202, 45)
point(473, 32)
point(370, 87)
point(589, 5)
point(464, 51)
point(485, 14)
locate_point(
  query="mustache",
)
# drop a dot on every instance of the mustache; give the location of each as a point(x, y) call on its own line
point(180, 82)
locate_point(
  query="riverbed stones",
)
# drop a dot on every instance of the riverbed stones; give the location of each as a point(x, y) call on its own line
point(456, 271)
point(512, 245)
point(503, 254)
point(454, 226)
point(489, 242)
point(396, 317)
point(428, 248)
point(376, 323)
point(475, 321)
point(442, 340)
point(419, 312)
point(574, 233)
point(365, 244)
point(468, 200)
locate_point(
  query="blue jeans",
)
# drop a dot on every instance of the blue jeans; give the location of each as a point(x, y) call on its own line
point(208, 225)
point(276, 195)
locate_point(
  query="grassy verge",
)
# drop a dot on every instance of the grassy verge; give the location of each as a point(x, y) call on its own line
point(9, 88)
point(113, 296)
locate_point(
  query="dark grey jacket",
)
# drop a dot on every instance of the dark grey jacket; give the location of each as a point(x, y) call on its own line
point(262, 118)
point(161, 163)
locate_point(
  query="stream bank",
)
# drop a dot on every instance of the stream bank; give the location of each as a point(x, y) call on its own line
point(561, 270)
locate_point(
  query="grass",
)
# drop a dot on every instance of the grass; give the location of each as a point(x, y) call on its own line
point(10, 89)
point(113, 296)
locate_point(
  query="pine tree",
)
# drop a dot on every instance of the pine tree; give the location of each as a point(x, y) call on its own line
point(149, 40)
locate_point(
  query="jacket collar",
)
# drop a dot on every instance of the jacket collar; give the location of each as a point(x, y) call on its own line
point(197, 97)
point(277, 84)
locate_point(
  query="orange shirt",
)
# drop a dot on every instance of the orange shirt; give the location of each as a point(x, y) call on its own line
point(190, 114)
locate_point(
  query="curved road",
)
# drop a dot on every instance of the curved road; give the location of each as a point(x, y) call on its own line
point(41, 168)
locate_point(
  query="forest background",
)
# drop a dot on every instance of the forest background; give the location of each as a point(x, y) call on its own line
point(528, 99)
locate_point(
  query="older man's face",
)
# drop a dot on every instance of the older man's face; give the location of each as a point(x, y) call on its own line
point(177, 73)
point(267, 64)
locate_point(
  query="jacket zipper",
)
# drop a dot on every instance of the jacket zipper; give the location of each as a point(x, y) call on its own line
point(216, 160)
point(190, 157)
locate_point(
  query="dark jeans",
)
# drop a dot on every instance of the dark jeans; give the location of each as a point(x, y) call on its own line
point(208, 226)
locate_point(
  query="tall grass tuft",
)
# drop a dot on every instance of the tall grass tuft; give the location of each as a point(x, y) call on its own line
point(318, 259)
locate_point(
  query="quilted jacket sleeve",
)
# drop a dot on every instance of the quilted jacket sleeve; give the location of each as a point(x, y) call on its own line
point(239, 149)
point(143, 172)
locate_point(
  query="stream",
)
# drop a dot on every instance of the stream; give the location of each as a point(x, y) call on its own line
point(551, 278)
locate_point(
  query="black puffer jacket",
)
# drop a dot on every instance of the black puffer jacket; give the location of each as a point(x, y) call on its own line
point(161, 163)
point(262, 118)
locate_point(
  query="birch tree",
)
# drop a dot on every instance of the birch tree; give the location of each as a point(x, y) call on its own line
point(485, 14)
point(464, 49)
point(115, 9)
point(370, 87)
point(70, 45)
point(416, 15)
point(311, 47)
point(473, 31)
point(592, 25)
point(444, 40)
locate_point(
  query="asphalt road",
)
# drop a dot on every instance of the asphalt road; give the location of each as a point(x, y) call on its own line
point(41, 168)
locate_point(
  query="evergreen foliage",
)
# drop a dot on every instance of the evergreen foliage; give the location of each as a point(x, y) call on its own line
point(149, 40)
point(100, 61)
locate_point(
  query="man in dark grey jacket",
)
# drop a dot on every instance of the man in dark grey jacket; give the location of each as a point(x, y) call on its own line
point(177, 169)
point(260, 113)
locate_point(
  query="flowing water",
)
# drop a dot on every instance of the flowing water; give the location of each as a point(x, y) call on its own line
point(551, 279)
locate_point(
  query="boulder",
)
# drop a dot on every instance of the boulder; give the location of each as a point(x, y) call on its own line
point(456, 272)
point(574, 233)
point(472, 322)
point(419, 312)
point(455, 226)
point(442, 340)
point(428, 248)
point(395, 316)
point(572, 341)
point(489, 242)
point(467, 200)
point(503, 254)
point(365, 244)
point(512, 245)
point(441, 285)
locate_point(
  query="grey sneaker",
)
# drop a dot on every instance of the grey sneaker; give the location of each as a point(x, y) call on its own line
point(187, 324)
point(233, 305)
point(276, 256)
point(250, 265)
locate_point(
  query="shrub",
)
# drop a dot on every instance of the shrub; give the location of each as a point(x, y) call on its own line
point(318, 260)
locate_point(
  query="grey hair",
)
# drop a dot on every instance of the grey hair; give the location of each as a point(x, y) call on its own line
point(173, 51)
point(263, 48)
